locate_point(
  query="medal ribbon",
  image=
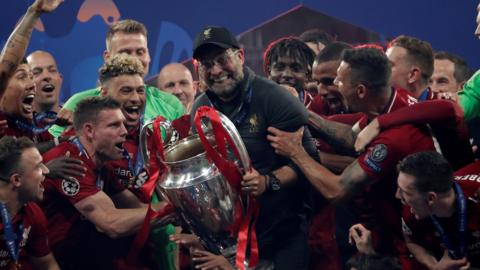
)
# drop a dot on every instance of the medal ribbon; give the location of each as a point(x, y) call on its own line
point(242, 111)
point(135, 170)
point(32, 127)
point(245, 226)
point(76, 141)
point(459, 251)
point(11, 239)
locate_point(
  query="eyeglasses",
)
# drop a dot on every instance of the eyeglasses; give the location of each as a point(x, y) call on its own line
point(221, 60)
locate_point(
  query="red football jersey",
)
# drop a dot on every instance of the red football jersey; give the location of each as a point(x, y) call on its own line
point(15, 130)
point(62, 194)
point(377, 206)
point(423, 232)
point(34, 242)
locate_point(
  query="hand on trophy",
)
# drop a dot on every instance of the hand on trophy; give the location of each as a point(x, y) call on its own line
point(254, 183)
point(205, 260)
point(46, 5)
point(190, 241)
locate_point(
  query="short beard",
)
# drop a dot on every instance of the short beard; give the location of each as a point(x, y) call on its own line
point(231, 92)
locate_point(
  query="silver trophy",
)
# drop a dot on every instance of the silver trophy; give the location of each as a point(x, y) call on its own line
point(203, 199)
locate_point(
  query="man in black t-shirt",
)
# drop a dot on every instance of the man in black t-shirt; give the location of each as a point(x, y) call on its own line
point(253, 104)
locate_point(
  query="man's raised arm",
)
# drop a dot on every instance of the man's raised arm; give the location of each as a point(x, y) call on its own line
point(16, 45)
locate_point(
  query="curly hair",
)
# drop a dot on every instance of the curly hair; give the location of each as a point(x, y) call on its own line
point(120, 64)
point(288, 46)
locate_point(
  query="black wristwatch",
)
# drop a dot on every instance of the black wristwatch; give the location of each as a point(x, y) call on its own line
point(273, 182)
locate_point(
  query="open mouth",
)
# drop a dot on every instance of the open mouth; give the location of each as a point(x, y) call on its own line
point(119, 147)
point(48, 88)
point(27, 103)
point(132, 112)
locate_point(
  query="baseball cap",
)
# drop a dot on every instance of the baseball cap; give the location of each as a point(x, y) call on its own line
point(216, 35)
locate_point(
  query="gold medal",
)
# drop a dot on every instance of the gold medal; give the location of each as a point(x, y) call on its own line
point(14, 266)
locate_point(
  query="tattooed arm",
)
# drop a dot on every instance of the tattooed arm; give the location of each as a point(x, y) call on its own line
point(339, 135)
point(330, 185)
point(17, 43)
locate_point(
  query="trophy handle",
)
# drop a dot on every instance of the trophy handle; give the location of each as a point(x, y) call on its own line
point(237, 140)
point(143, 144)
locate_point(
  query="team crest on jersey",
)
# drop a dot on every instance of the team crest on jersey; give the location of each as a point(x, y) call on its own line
point(376, 156)
point(379, 153)
point(70, 186)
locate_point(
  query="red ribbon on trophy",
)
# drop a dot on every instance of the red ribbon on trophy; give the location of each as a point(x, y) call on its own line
point(246, 226)
point(156, 167)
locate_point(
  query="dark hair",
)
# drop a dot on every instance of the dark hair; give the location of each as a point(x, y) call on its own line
point(127, 27)
point(369, 67)
point(88, 110)
point(420, 53)
point(120, 64)
point(288, 46)
point(11, 150)
point(461, 70)
point(317, 36)
point(373, 262)
point(431, 170)
point(332, 52)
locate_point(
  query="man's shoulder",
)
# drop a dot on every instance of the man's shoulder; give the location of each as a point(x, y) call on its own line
point(162, 103)
point(72, 102)
point(33, 210)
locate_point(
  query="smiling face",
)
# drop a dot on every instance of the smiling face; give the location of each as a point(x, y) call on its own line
point(324, 74)
point(32, 175)
point(48, 80)
point(290, 71)
point(108, 134)
point(19, 94)
point(443, 79)
point(221, 70)
point(129, 91)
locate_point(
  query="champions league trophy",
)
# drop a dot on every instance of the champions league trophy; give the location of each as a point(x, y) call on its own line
point(203, 198)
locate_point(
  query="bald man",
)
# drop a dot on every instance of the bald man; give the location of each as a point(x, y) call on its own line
point(48, 81)
point(176, 79)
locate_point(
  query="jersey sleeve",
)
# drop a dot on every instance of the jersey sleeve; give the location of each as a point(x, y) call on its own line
point(73, 189)
point(429, 112)
point(37, 244)
point(381, 156)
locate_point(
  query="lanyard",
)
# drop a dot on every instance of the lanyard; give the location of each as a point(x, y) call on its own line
point(32, 127)
point(424, 95)
point(243, 110)
point(11, 239)
point(301, 96)
point(78, 144)
point(135, 170)
point(459, 252)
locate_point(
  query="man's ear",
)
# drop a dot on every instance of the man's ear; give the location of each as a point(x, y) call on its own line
point(361, 91)
point(241, 55)
point(414, 75)
point(15, 180)
point(431, 198)
point(106, 55)
point(89, 130)
point(103, 91)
